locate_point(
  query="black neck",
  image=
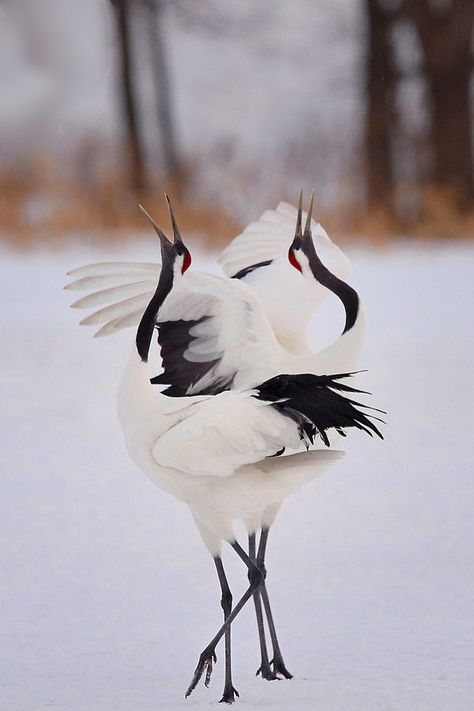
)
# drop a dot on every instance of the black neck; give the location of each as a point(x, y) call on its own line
point(148, 320)
point(348, 295)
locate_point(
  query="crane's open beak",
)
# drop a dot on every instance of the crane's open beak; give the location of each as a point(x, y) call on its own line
point(163, 238)
point(301, 236)
point(307, 228)
point(176, 233)
point(299, 219)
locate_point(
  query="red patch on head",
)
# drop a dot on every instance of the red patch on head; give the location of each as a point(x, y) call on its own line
point(293, 261)
point(186, 261)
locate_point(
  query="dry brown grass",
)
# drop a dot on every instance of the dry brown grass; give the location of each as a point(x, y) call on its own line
point(38, 206)
point(437, 217)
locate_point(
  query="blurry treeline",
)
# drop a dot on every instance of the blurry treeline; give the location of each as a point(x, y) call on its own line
point(383, 127)
point(404, 159)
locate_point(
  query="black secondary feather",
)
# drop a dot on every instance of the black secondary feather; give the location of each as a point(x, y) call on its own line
point(314, 402)
point(248, 270)
point(179, 373)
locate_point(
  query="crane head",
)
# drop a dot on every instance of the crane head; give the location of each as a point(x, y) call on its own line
point(302, 245)
point(173, 254)
point(175, 260)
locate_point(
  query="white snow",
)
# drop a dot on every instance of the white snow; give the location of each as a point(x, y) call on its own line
point(107, 594)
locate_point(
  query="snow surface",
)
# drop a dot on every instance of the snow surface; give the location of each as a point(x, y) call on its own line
point(108, 595)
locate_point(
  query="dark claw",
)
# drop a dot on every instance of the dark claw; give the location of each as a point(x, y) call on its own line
point(206, 661)
point(279, 668)
point(208, 672)
point(228, 697)
point(266, 672)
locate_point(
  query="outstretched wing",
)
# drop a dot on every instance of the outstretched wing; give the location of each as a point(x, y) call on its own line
point(213, 334)
point(234, 429)
point(212, 331)
point(269, 238)
point(121, 290)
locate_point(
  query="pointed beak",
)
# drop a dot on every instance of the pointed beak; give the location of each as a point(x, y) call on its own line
point(176, 233)
point(299, 218)
point(307, 227)
point(163, 238)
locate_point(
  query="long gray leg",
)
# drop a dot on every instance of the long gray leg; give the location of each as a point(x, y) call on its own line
point(277, 661)
point(264, 669)
point(208, 655)
point(229, 693)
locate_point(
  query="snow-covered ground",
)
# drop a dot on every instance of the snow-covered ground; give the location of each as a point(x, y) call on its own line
point(107, 594)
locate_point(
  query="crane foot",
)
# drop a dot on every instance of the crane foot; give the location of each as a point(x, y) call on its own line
point(205, 664)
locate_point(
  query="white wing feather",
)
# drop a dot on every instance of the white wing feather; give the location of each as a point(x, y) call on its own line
point(118, 310)
point(127, 321)
point(112, 295)
point(124, 289)
point(225, 433)
point(269, 239)
point(214, 330)
point(100, 268)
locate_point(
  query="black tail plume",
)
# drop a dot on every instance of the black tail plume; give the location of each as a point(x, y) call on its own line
point(314, 402)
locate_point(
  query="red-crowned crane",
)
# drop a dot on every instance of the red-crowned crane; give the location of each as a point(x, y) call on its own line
point(233, 398)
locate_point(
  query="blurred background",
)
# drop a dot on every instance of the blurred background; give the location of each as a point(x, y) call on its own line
point(234, 106)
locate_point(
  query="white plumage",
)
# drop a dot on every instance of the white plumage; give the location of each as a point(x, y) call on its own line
point(211, 452)
point(269, 238)
point(204, 428)
point(209, 435)
point(279, 287)
point(287, 301)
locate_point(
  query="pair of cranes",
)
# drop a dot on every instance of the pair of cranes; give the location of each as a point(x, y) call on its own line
point(239, 417)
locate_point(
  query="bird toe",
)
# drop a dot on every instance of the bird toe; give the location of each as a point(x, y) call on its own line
point(228, 697)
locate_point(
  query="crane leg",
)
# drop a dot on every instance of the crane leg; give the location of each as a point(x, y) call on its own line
point(264, 669)
point(208, 655)
point(230, 692)
point(277, 662)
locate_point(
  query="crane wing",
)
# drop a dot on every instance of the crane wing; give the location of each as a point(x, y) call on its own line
point(223, 434)
point(212, 332)
point(122, 290)
point(233, 429)
point(269, 238)
point(213, 335)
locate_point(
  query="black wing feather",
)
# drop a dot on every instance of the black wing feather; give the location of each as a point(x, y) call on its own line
point(314, 403)
point(180, 374)
point(248, 270)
